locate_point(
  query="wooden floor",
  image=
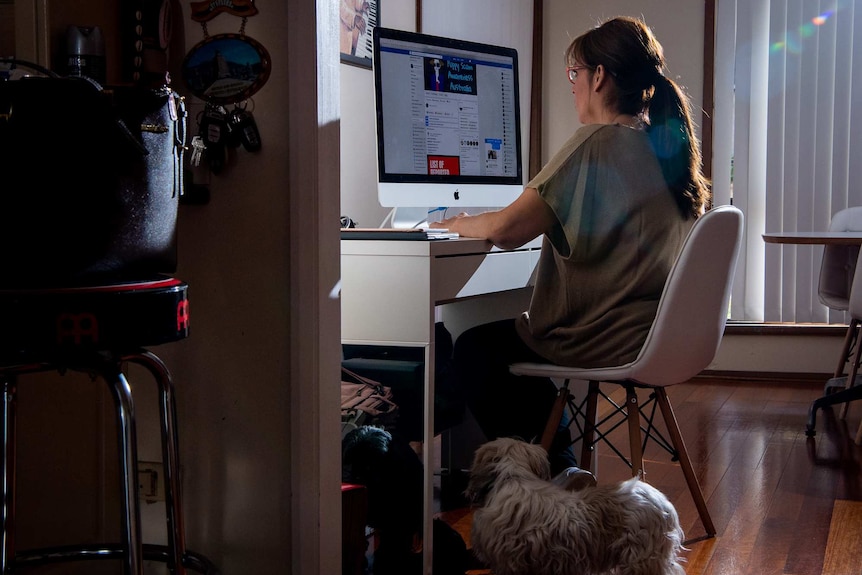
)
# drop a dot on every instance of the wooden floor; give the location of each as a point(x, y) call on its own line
point(782, 503)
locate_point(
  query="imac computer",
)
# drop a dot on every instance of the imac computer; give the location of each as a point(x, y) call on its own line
point(448, 124)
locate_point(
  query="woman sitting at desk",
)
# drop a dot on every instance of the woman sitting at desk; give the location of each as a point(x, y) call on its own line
point(614, 205)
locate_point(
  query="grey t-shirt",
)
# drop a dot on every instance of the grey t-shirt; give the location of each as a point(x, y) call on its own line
point(604, 264)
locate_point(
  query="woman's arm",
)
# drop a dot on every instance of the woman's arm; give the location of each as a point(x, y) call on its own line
point(511, 227)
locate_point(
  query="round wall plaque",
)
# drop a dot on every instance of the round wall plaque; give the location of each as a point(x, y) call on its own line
point(226, 68)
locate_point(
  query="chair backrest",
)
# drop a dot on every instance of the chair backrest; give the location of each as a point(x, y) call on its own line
point(693, 308)
point(839, 262)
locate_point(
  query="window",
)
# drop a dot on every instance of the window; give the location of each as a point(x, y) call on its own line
point(786, 141)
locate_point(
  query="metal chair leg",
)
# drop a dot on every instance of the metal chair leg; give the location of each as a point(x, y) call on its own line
point(7, 520)
point(850, 393)
point(128, 452)
point(170, 457)
point(854, 366)
point(131, 550)
point(849, 338)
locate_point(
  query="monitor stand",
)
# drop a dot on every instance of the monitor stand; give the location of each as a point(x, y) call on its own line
point(407, 218)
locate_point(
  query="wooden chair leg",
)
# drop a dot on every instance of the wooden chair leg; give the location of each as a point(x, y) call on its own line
point(633, 415)
point(589, 437)
point(556, 416)
point(684, 461)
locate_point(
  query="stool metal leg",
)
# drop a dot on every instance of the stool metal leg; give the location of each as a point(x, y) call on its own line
point(128, 452)
point(131, 550)
point(7, 521)
point(170, 457)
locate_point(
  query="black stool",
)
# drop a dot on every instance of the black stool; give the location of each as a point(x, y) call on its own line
point(96, 330)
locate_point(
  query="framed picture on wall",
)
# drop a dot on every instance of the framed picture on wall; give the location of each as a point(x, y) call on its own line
point(358, 19)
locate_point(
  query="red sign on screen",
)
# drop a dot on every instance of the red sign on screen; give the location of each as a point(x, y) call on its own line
point(443, 166)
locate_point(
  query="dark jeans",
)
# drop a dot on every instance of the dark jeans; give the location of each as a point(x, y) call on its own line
point(503, 404)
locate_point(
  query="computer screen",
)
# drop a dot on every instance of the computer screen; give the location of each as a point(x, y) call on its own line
point(448, 122)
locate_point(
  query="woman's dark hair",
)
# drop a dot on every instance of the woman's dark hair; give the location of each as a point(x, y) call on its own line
point(630, 53)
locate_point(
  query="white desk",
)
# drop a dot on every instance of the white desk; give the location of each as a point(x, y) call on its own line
point(389, 290)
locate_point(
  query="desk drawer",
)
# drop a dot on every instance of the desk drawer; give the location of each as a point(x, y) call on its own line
point(469, 275)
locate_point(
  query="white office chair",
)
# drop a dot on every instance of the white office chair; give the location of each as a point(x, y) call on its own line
point(839, 262)
point(682, 341)
point(850, 384)
point(837, 270)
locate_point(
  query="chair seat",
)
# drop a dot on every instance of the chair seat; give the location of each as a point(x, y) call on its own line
point(838, 303)
point(116, 317)
point(838, 263)
point(612, 373)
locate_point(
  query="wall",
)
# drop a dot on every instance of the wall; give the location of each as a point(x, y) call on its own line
point(679, 26)
point(563, 20)
point(506, 23)
point(800, 354)
point(258, 375)
point(358, 130)
point(256, 380)
point(7, 29)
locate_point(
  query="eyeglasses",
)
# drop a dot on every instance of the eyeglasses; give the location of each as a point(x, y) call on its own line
point(572, 72)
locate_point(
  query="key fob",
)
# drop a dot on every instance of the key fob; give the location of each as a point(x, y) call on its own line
point(243, 124)
point(234, 135)
point(213, 132)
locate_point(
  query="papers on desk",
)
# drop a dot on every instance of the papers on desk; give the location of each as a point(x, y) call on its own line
point(440, 234)
point(396, 234)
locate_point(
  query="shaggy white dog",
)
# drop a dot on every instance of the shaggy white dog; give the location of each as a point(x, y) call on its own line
point(525, 525)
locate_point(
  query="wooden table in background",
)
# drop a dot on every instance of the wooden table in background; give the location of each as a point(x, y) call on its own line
point(814, 238)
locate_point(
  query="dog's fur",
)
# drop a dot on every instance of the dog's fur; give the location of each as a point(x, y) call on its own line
point(524, 524)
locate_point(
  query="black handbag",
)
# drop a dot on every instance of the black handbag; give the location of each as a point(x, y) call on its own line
point(90, 180)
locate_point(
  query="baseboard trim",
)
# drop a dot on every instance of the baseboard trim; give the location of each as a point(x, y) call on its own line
point(791, 378)
point(766, 328)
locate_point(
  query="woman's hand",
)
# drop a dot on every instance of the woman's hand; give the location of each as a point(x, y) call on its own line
point(521, 221)
point(449, 223)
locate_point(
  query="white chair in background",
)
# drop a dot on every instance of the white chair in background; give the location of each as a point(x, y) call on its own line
point(849, 384)
point(839, 262)
point(836, 277)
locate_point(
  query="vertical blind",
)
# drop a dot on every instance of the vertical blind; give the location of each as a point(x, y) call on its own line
point(787, 141)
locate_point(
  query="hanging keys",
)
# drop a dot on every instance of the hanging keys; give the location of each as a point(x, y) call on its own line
point(242, 124)
point(198, 149)
point(220, 130)
point(213, 133)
